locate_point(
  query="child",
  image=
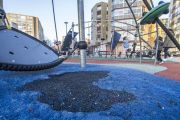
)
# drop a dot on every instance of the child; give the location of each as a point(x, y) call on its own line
point(126, 44)
point(160, 46)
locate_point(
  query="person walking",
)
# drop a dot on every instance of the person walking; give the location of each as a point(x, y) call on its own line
point(160, 46)
point(168, 44)
point(126, 45)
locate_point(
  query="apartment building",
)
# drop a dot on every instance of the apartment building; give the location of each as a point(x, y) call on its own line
point(120, 12)
point(99, 29)
point(174, 19)
point(28, 24)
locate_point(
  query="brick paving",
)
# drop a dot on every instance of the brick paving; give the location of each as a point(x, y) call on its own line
point(172, 72)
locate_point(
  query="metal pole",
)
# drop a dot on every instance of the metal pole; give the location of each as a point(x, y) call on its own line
point(140, 46)
point(157, 38)
point(66, 26)
point(55, 25)
point(81, 31)
point(1, 7)
point(157, 42)
point(1, 4)
point(134, 44)
point(66, 34)
point(72, 38)
point(54, 20)
point(66, 29)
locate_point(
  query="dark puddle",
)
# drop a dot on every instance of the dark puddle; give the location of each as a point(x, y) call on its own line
point(75, 92)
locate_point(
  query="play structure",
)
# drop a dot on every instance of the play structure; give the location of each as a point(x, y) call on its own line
point(149, 17)
point(22, 52)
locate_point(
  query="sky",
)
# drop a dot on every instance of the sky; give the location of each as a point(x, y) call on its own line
point(65, 11)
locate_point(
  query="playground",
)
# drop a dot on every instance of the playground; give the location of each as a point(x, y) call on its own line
point(109, 91)
point(37, 82)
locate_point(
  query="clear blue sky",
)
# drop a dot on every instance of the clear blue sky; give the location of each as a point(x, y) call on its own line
point(66, 10)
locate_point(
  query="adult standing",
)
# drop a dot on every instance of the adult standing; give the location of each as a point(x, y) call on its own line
point(126, 45)
point(168, 44)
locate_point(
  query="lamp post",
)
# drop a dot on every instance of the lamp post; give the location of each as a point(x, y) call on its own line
point(66, 26)
point(1, 4)
point(1, 7)
point(66, 34)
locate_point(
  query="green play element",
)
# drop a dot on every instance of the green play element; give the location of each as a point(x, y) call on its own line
point(154, 13)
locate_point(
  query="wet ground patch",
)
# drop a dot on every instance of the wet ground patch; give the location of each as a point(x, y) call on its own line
point(75, 92)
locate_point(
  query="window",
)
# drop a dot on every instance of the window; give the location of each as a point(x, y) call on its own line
point(11, 15)
point(29, 24)
point(126, 13)
point(98, 8)
point(98, 16)
point(98, 32)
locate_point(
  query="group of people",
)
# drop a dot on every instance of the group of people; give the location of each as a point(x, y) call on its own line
point(166, 44)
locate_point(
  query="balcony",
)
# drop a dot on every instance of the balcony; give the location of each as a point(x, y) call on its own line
point(125, 4)
point(127, 16)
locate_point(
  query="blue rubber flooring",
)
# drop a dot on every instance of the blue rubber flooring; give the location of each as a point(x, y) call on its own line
point(156, 97)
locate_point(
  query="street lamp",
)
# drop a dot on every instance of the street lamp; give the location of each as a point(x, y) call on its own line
point(1, 7)
point(66, 26)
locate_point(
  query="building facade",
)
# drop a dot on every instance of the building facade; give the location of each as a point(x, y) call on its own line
point(98, 29)
point(28, 24)
point(120, 12)
point(174, 19)
point(108, 14)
